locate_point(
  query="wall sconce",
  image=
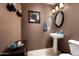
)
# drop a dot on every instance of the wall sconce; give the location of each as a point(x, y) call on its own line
point(53, 11)
point(58, 7)
point(11, 7)
point(18, 13)
point(61, 5)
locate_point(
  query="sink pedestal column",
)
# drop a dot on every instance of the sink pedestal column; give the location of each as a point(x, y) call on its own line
point(55, 46)
point(56, 36)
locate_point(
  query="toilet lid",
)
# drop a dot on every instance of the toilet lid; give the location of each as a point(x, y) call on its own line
point(65, 54)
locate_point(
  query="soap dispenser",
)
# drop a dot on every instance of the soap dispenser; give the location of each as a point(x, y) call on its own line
point(45, 26)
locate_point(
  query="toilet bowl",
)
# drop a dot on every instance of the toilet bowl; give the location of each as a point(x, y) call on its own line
point(74, 48)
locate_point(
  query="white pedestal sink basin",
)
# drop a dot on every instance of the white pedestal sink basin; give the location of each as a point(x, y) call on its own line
point(56, 36)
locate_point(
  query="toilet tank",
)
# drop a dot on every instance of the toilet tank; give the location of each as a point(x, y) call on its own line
point(74, 47)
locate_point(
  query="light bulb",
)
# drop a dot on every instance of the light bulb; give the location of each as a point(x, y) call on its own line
point(56, 8)
point(61, 5)
point(53, 11)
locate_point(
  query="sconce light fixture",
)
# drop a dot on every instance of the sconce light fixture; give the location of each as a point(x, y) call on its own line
point(18, 13)
point(58, 7)
point(53, 11)
point(61, 5)
point(11, 7)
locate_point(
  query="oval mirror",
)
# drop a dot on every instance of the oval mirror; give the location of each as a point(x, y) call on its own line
point(59, 19)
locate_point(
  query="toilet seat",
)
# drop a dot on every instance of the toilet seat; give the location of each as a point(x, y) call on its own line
point(65, 54)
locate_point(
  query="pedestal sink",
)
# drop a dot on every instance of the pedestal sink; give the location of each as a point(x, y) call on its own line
point(56, 36)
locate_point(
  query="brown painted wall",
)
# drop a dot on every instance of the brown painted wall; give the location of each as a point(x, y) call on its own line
point(70, 26)
point(33, 32)
point(10, 26)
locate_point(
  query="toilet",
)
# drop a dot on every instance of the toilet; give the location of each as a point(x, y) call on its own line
point(74, 48)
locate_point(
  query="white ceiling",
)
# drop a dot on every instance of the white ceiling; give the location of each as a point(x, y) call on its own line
point(51, 3)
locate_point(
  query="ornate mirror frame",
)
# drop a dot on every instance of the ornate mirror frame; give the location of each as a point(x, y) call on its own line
point(59, 19)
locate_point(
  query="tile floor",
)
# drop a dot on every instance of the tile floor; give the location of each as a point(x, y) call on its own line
point(42, 52)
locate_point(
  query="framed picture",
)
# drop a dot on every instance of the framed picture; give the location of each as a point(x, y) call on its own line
point(33, 16)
